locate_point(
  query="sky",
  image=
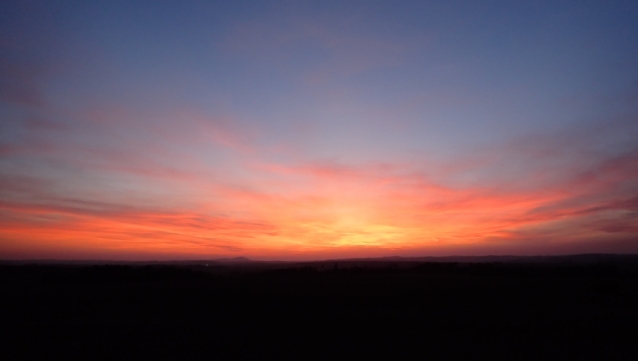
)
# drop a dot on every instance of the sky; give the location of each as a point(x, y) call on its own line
point(306, 130)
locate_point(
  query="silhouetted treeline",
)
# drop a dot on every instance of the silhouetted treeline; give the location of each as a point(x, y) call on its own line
point(332, 309)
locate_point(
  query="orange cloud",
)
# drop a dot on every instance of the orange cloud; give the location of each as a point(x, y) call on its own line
point(161, 196)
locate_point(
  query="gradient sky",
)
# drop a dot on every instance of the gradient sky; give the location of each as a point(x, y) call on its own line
point(305, 130)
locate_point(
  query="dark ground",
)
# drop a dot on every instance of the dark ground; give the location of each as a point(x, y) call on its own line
point(537, 310)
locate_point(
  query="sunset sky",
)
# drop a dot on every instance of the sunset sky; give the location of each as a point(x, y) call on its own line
point(301, 130)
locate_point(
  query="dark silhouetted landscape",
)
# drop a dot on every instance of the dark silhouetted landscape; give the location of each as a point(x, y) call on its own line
point(517, 308)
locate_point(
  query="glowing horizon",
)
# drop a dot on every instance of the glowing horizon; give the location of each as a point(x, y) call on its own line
point(296, 131)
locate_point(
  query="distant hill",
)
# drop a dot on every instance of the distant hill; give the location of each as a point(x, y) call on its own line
point(243, 261)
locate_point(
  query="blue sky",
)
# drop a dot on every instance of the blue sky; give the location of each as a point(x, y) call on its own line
point(340, 128)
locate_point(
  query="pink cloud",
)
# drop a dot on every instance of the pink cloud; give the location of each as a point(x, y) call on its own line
point(245, 202)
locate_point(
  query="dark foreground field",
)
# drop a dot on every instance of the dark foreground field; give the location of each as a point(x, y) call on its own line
point(517, 311)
